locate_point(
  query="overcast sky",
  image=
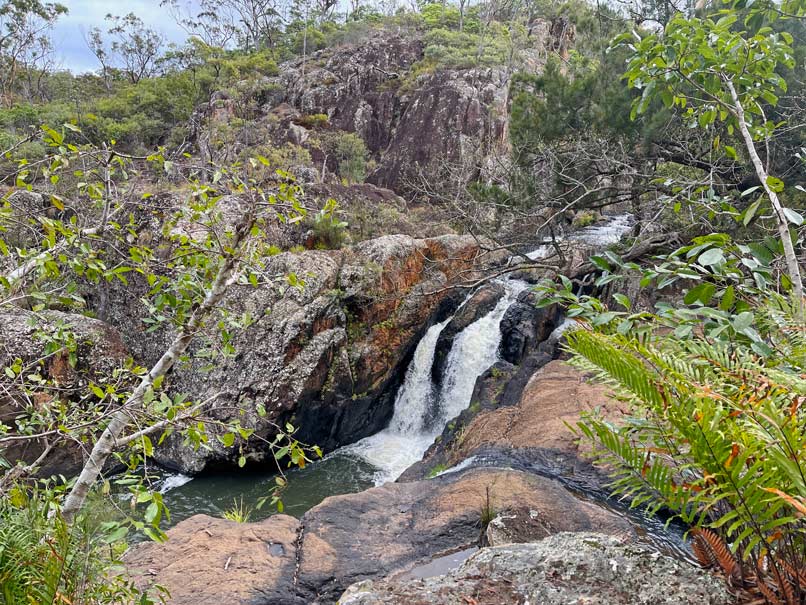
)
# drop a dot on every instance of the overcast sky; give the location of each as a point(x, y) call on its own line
point(68, 35)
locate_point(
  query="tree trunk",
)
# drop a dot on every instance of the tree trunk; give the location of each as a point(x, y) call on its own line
point(783, 223)
point(108, 440)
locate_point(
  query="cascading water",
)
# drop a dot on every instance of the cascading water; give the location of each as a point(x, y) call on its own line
point(421, 411)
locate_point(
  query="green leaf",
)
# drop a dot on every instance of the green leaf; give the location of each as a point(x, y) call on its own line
point(743, 321)
point(714, 256)
point(227, 439)
point(751, 212)
point(793, 217)
point(151, 512)
point(776, 184)
point(623, 301)
point(727, 299)
point(702, 293)
point(242, 461)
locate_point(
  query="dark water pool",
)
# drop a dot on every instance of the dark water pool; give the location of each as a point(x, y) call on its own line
point(213, 494)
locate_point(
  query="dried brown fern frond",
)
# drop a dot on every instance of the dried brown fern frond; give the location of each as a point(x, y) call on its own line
point(769, 593)
point(797, 576)
point(712, 551)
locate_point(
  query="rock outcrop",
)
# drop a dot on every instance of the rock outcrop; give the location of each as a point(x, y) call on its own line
point(326, 357)
point(345, 539)
point(562, 569)
point(82, 350)
point(418, 120)
point(209, 561)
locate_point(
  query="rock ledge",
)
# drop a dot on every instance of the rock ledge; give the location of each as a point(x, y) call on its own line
point(567, 568)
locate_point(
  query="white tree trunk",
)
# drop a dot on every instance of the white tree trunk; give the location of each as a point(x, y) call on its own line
point(783, 223)
point(108, 440)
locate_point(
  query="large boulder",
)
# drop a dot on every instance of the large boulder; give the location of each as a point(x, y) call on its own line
point(524, 326)
point(385, 530)
point(397, 526)
point(562, 569)
point(209, 561)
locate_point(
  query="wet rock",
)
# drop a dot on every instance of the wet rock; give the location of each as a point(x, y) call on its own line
point(553, 398)
point(477, 306)
point(559, 570)
point(399, 525)
point(524, 326)
point(209, 561)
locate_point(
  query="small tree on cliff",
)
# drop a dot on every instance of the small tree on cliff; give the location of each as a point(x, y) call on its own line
point(713, 73)
point(87, 237)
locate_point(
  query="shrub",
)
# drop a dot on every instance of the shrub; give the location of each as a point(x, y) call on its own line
point(314, 120)
point(329, 232)
point(352, 155)
point(718, 437)
point(584, 218)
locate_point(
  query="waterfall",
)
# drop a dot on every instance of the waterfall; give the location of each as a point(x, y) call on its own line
point(422, 411)
point(414, 424)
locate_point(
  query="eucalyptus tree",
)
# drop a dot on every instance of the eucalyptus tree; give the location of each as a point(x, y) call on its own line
point(713, 73)
point(24, 27)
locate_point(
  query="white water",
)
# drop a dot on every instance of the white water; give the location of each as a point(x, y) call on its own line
point(599, 236)
point(421, 412)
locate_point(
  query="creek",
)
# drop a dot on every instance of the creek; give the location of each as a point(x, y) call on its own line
point(421, 412)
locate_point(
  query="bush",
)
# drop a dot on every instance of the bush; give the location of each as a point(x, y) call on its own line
point(352, 155)
point(718, 437)
point(329, 232)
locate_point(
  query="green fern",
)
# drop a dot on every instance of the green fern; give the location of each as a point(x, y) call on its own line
point(717, 436)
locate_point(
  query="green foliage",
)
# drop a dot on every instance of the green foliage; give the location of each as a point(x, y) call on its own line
point(436, 470)
point(694, 63)
point(329, 231)
point(44, 560)
point(238, 512)
point(351, 154)
point(716, 435)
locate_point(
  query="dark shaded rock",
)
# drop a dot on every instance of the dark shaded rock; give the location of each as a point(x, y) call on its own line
point(562, 569)
point(394, 527)
point(209, 561)
point(524, 326)
point(99, 352)
point(474, 308)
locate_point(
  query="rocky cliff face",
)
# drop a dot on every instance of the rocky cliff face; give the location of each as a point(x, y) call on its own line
point(329, 356)
point(418, 121)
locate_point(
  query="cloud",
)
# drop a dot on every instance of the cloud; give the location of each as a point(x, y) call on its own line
point(68, 35)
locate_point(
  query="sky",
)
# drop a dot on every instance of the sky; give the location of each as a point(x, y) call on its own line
point(68, 35)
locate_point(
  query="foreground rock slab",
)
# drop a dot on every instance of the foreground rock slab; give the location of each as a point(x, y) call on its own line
point(209, 561)
point(369, 535)
point(564, 569)
point(397, 526)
